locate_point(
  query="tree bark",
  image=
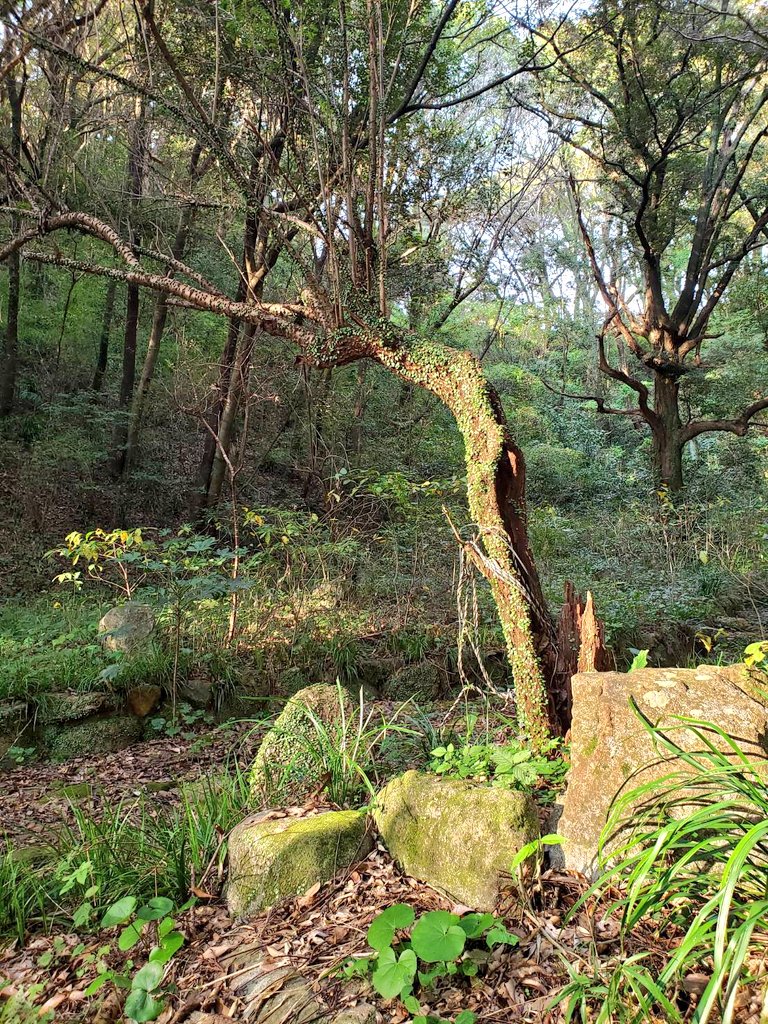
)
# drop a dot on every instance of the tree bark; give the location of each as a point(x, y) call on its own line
point(668, 443)
point(496, 493)
point(9, 363)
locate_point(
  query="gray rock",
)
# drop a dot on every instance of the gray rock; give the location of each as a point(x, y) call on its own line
point(197, 691)
point(363, 1013)
point(127, 626)
point(274, 858)
point(456, 836)
point(611, 751)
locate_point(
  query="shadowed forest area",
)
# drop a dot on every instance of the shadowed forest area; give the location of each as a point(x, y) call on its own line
point(384, 511)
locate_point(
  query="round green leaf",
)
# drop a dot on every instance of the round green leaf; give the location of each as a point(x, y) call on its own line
point(149, 977)
point(157, 907)
point(437, 936)
point(140, 1006)
point(393, 973)
point(119, 912)
point(384, 926)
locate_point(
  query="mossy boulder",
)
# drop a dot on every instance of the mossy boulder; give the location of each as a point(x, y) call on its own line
point(71, 707)
point(127, 626)
point(454, 835)
point(271, 859)
point(612, 751)
point(289, 765)
point(422, 680)
point(93, 736)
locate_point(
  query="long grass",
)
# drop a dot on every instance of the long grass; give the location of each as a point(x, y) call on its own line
point(133, 848)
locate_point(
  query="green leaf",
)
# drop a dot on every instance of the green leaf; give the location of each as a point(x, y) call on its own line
point(166, 926)
point(412, 1004)
point(466, 1017)
point(98, 983)
point(640, 660)
point(501, 936)
point(171, 944)
point(157, 907)
point(384, 926)
point(474, 925)
point(393, 974)
point(149, 977)
point(438, 936)
point(119, 912)
point(129, 936)
point(533, 847)
point(140, 1006)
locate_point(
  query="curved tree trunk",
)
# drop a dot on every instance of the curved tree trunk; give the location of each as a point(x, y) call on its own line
point(496, 493)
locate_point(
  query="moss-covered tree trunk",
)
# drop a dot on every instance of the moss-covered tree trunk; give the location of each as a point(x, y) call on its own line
point(496, 493)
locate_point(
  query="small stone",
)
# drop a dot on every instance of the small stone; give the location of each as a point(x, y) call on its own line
point(143, 699)
point(197, 691)
point(272, 858)
point(456, 836)
point(125, 627)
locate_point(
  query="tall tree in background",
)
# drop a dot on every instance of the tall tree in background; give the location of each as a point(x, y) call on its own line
point(664, 108)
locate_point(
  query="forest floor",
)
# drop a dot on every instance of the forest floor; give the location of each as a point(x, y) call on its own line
point(283, 966)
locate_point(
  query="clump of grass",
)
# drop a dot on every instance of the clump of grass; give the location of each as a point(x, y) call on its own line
point(134, 848)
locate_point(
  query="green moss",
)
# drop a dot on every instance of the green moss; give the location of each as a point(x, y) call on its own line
point(458, 837)
point(97, 736)
point(285, 768)
point(591, 746)
point(273, 859)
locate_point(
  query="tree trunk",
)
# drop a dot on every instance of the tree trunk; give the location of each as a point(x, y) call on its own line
point(238, 385)
point(496, 493)
point(159, 319)
point(106, 324)
point(9, 361)
point(127, 381)
point(667, 433)
point(10, 356)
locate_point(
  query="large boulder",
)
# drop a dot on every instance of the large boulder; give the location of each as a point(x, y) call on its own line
point(421, 680)
point(273, 858)
point(93, 736)
point(454, 835)
point(127, 626)
point(289, 764)
point(612, 752)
